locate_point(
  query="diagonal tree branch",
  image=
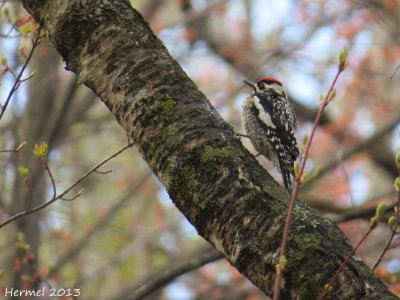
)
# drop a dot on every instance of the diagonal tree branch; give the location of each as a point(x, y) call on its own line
point(99, 225)
point(159, 278)
point(65, 192)
point(212, 179)
point(383, 130)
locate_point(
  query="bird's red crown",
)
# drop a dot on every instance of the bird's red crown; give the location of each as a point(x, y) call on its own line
point(268, 79)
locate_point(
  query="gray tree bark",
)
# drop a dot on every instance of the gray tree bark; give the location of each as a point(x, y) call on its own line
point(212, 179)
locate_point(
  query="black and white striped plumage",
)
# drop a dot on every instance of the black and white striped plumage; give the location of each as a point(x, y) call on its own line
point(270, 122)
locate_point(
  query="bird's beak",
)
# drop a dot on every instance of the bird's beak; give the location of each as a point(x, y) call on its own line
point(249, 83)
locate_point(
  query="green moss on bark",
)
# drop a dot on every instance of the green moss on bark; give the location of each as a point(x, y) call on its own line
point(212, 154)
point(161, 109)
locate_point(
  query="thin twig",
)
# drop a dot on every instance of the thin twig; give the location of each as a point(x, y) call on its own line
point(279, 268)
point(53, 184)
point(333, 279)
point(27, 78)
point(395, 71)
point(20, 147)
point(39, 207)
point(393, 232)
point(17, 82)
point(74, 197)
point(95, 168)
point(395, 244)
point(134, 187)
point(30, 195)
point(385, 128)
point(11, 150)
point(103, 172)
point(386, 248)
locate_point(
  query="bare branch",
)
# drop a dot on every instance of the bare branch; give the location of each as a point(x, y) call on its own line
point(383, 130)
point(102, 221)
point(161, 277)
point(395, 71)
point(298, 179)
point(53, 184)
point(60, 196)
point(17, 81)
point(30, 194)
point(393, 228)
point(327, 287)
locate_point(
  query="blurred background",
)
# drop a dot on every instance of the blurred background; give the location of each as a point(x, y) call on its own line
point(124, 231)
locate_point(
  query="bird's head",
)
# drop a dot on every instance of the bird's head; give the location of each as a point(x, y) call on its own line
point(267, 84)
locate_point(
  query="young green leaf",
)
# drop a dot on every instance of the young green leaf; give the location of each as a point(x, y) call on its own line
point(23, 172)
point(41, 150)
point(380, 210)
point(374, 222)
point(397, 184)
point(343, 55)
point(22, 146)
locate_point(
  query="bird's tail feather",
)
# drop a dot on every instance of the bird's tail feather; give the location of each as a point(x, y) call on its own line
point(287, 181)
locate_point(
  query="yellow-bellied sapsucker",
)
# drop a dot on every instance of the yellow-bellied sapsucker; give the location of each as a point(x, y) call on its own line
point(270, 122)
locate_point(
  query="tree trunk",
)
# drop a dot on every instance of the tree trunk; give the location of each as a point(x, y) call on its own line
point(212, 179)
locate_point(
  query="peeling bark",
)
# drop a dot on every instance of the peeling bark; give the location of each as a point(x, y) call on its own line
point(212, 179)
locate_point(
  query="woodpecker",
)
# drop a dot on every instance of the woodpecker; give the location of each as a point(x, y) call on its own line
point(270, 122)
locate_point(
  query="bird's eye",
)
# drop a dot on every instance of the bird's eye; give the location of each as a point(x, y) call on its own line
point(262, 85)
